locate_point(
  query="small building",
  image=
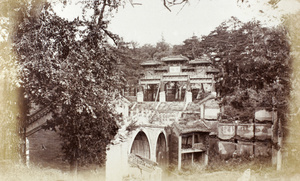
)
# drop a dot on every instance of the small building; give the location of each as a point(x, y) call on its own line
point(193, 142)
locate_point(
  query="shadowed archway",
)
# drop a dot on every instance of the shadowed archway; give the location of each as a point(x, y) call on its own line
point(141, 146)
point(161, 150)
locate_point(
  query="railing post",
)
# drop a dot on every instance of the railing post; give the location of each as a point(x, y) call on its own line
point(179, 151)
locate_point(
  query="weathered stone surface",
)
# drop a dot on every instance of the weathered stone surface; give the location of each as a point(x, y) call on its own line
point(263, 131)
point(262, 149)
point(264, 115)
point(140, 97)
point(211, 113)
point(162, 96)
point(213, 125)
point(226, 149)
point(245, 131)
point(188, 97)
point(226, 131)
point(245, 149)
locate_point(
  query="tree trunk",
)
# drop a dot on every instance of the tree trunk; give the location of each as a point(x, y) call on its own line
point(74, 168)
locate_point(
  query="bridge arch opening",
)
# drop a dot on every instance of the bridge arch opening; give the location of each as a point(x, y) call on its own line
point(161, 150)
point(141, 146)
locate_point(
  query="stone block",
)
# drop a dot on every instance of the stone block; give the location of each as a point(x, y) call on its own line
point(264, 115)
point(140, 97)
point(245, 131)
point(226, 131)
point(244, 149)
point(162, 96)
point(211, 113)
point(263, 149)
point(188, 97)
point(263, 131)
point(226, 149)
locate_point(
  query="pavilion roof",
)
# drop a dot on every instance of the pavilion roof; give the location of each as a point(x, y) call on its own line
point(183, 127)
point(152, 62)
point(188, 68)
point(213, 70)
point(200, 61)
point(174, 58)
point(161, 68)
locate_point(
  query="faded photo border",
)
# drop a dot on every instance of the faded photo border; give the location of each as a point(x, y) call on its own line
point(12, 111)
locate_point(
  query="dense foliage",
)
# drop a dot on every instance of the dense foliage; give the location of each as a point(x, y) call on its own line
point(254, 63)
point(191, 48)
point(74, 70)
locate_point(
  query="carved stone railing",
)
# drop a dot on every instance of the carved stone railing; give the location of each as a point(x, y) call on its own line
point(38, 119)
point(38, 115)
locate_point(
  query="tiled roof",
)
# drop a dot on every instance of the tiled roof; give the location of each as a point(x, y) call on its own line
point(200, 61)
point(175, 58)
point(192, 107)
point(184, 127)
point(208, 100)
point(151, 63)
point(161, 68)
point(213, 70)
point(185, 67)
point(212, 103)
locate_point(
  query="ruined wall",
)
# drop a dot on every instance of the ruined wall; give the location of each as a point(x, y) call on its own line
point(244, 139)
point(247, 139)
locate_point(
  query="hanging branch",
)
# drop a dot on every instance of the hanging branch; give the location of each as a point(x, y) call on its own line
point(112, 36)
point(102, 12)
point(165, 4)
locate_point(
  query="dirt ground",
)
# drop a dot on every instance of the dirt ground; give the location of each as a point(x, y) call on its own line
point(19, 172)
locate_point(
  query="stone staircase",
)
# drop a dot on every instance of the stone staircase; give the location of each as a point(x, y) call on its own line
point(37, 120)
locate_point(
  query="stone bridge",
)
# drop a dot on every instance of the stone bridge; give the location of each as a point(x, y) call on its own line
point(148, 142)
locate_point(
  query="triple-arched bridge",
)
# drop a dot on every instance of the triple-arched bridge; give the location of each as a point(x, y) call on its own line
point(148, 144)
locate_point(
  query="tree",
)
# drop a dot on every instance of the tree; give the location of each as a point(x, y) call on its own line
point(74, 71)
point(254, 65)
point(191, 48)
point(162, 49)
point(147, 52)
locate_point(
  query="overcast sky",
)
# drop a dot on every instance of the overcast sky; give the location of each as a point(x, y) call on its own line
point(150, 21)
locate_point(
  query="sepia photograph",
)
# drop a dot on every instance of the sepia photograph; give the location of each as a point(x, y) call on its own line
point(152, 90)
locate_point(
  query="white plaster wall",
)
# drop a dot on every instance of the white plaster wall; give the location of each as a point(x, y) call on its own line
point(211, 113)
point(116, 162)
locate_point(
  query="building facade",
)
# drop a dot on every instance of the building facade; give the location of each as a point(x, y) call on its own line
point(169, 121)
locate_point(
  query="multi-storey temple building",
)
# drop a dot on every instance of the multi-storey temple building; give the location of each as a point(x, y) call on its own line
point(176, 79)
point(170, 118)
